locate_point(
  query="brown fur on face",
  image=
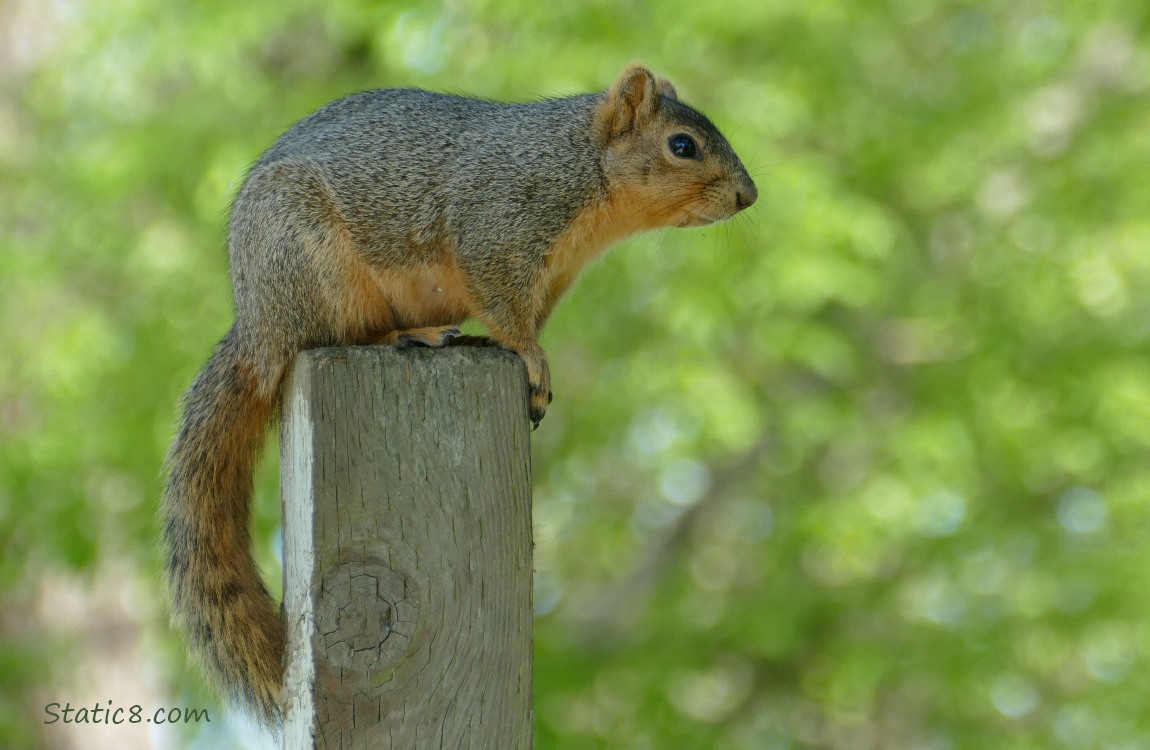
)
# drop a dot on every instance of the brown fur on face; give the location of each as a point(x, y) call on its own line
point(659, 189)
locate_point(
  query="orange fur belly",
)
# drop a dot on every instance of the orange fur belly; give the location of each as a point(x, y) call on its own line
point(421, 296)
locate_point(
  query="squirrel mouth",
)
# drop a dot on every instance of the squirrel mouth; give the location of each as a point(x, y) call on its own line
point(698, 220)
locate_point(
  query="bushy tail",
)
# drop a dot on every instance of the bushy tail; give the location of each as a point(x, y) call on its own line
point(218, 598)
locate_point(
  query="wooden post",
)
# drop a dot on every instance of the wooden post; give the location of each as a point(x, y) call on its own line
point(407, 550)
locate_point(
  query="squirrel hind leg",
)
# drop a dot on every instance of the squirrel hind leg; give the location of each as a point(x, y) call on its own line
point(432, 336)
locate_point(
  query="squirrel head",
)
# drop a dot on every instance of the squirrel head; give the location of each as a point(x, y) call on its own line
point(666, 160)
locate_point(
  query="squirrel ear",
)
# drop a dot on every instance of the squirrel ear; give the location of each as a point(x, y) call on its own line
point(631, 103)
point(666, 89)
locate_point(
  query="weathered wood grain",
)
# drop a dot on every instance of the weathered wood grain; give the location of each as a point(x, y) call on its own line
point(407, 550)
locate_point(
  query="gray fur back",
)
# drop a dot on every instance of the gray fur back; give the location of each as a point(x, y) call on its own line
point(405, 164)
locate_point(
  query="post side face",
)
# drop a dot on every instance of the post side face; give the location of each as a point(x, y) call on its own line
point(418, 576)
point(296, 489)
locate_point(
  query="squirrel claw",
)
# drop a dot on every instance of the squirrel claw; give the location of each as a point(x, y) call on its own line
point(537, 408)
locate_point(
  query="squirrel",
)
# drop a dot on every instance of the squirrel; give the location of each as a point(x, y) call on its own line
point(390, 217)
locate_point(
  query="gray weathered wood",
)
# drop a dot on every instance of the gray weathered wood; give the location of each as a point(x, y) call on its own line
point(407, 550)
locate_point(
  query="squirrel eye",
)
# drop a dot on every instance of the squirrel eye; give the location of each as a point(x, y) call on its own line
point(682, 146)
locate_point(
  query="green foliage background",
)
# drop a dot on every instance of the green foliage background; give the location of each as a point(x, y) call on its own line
point(866, 468)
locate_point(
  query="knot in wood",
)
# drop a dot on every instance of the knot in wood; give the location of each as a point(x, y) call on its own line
point(367, 615)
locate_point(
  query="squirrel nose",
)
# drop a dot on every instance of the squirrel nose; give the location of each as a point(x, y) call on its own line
point(746, 195)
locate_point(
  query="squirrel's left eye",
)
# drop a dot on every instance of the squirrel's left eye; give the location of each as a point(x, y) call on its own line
point(683, 146)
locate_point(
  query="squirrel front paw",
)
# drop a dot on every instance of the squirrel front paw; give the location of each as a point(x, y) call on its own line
point(538, 379)
point(538, 374)
point(541, 397)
